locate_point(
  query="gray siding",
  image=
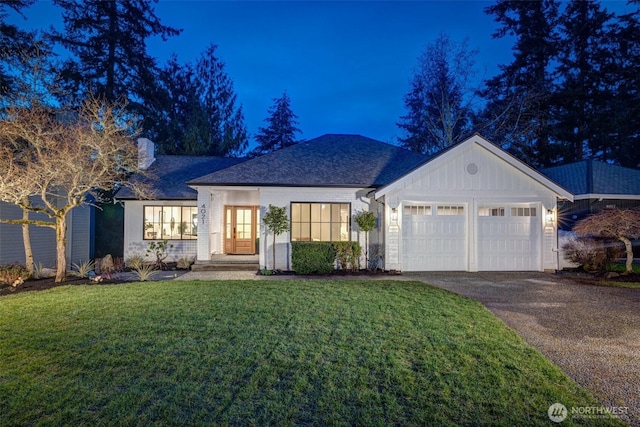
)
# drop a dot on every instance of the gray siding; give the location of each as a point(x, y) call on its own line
point(11, 244)
point(79, 230)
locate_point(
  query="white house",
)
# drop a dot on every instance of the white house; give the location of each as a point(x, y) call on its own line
point(471, 208)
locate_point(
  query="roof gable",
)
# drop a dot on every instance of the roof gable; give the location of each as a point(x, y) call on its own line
point(591, 177)
point(494, 155)
point(332, 160)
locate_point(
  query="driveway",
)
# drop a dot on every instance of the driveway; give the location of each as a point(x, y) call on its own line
point(591, 332)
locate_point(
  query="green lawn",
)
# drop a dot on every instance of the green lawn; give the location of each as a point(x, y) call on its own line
point(290, 352)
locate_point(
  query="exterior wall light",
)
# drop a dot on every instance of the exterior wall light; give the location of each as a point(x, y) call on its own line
point(551, 216)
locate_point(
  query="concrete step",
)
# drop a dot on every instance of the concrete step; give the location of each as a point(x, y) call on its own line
point(225, 266)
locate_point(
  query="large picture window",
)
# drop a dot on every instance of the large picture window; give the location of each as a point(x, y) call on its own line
point(170, 222)
point(320, 222)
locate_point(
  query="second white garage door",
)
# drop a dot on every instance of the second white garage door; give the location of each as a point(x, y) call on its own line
point(509, 238)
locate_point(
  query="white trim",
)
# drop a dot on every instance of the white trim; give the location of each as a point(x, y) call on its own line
point(608, 196)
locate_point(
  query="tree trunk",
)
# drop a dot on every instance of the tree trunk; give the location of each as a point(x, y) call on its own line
point(274, 251)
point(629, 249)
point(61, 240)
point(26, 239)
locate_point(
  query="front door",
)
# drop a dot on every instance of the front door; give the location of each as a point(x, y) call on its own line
point(240, 229)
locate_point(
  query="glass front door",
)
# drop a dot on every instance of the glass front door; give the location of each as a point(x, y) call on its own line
point(240, 229)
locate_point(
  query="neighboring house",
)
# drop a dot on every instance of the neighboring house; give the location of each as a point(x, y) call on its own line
point(172, 212)
point(596, 186)
point(472, 207)
point(43, 239)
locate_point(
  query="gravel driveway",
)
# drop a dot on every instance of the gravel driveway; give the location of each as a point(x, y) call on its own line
point(591, 332)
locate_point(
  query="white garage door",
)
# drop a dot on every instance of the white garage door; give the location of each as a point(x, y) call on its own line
point(509, 238)
point(434, 238)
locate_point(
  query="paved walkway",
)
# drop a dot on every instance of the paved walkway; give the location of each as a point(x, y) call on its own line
point(591, 332)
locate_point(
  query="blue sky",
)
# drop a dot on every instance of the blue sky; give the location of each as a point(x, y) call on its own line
point(345, 65)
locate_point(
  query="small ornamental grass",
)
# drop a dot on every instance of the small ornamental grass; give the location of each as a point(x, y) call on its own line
point(145, 272)
point(82, 269)
point(289, 352)
point(135, 261)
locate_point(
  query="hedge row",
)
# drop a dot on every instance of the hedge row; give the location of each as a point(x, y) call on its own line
point(322, 257)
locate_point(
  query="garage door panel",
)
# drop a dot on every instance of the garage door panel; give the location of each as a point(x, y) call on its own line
point(509, 243)
point(432, 243)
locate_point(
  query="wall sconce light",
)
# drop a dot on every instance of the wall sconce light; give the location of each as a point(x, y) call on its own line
point(551, 216)
point(394, 215)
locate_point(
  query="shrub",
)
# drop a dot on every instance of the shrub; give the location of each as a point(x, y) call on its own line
point(13, 274)
point(312, 257)
point(160, 250)
point(592, 254)
point(347, 255)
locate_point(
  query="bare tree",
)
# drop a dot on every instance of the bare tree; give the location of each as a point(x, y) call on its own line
point(620, 224)
point(62, 157)
point(439, 104)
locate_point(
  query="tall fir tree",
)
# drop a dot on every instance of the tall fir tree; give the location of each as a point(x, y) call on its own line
point(193, 109)
point(14, 44)
point(439, 103)
point(281, 131)
point(624, 140)
point(107, 43)
point(582, 99)
point(517, 113)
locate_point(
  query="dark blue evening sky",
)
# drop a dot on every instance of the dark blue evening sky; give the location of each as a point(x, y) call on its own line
point(345, 65)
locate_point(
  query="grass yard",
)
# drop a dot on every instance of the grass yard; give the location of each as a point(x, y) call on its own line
point(289, 352)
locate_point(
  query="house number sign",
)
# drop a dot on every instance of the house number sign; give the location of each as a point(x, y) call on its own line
point(203, 213)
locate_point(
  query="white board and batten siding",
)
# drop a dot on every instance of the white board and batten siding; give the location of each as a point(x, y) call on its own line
point(474, 208)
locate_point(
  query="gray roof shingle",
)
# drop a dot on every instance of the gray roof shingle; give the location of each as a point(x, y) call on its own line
point(332, 160)
point(594, 177)
point(169, 175)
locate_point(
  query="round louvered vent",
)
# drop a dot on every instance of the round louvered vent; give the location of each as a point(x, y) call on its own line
point(472, 168)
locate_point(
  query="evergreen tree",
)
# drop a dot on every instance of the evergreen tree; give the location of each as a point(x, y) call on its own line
point(280, 132)
point(583, 97)
point(107, 43)
point(518, 99)
point(439, 102)
point(624, 139)
point(222, 130)
point(14, 44)
point(193, 109)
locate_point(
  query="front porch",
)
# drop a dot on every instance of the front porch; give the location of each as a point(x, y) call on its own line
point(225, 262)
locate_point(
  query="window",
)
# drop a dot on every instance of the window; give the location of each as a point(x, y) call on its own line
point(523, 211)
point(320, 222)
point(486, 211)
point(450, 210)
point(417, 210)
point(170, 222)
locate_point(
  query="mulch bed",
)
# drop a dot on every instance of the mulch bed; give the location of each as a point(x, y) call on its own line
point(42, 284)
